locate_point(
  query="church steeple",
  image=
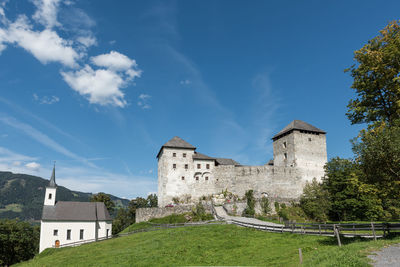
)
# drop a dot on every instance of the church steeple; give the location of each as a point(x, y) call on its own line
point(51, 189)
point(53, 177)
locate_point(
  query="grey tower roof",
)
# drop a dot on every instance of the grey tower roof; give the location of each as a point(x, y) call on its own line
point(176, 142)
point(223, 161)
point(76, 211)
point(53, 178)
point(298, 125)
point(198, 155)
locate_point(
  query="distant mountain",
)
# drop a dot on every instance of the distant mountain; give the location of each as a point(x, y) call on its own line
point(22, 196)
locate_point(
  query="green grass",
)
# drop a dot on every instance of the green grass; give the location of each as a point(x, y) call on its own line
point(212, 245)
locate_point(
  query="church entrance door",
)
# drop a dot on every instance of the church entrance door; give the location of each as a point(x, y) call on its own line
point(57, 245)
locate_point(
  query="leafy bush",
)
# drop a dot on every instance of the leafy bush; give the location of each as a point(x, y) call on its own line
point(265, 206)
point(249, 211)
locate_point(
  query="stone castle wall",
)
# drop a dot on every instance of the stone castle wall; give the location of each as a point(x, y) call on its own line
point(145, 214)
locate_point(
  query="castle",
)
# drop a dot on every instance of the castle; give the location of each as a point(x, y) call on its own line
point(299, 156)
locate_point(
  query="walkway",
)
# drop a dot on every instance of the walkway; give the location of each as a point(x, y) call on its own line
point(222, 213)
point(387, 257)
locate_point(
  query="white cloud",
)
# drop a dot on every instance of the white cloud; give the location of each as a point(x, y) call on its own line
point(144, 101)
point(185, 82)
point(116, 61)
point(34, 166)
point(46, 46)
point(99, 86)
point(8, 156)
point(46, 12)
point(48, 100)
point(87, 41)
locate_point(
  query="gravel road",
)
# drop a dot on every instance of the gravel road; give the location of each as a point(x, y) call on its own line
point(387, 257)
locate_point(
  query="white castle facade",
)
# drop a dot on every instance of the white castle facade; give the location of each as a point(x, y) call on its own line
point(299, 156)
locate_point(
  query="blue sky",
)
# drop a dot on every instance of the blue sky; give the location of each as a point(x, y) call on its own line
point(99, 86)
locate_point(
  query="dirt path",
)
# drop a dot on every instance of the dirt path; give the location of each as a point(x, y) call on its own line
point(387, 257)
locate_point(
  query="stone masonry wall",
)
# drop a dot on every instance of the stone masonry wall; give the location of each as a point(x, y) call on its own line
point(145, 214)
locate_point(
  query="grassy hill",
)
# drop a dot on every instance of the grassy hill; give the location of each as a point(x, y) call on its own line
point(22, 195)
point(211, 245)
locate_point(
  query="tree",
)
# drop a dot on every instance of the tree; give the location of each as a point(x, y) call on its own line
point(376, 78)
point(19, 241)
point(121, 221)
point(265, 205)
point(152, 200)
point(377, 151)
point(103, 197)
point(315, 201)
point(249, 211)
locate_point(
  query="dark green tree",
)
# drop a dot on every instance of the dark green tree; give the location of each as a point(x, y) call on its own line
point(121, 221)
point(152, 200)
point(265, 206)
point(315, 201)
point(249, 211)
point(19, 241)
point(376, 77)
point(105, 198)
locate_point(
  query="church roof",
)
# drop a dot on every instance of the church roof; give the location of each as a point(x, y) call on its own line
point(76, 211)
point(298, 125)
point(53, 178)
point(223, 161)
point(176, 142)
point(198, 155)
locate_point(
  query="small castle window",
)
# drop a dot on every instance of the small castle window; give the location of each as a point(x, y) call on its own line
point(206, 178)
point(197, 178)
point(198, 166)
point(81, 234)
point(183, 178)
point(50, 196)
point(55, 232)
point(207, 166)
point(174, 166)
point(309, 139)
point(285, 154)
point(69, 234)
point(184, 155)
point(284, 144)
point(174, 155)
point(186, 166)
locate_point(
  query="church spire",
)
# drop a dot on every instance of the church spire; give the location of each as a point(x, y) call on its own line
point(53, 177)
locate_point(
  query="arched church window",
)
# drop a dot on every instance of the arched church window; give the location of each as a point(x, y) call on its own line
point(50, 196)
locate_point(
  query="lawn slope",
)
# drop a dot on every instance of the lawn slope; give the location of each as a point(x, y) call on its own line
point(210, 245)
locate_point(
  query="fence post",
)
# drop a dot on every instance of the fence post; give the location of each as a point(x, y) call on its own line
point(319, 227)
point(373, 230)
point(302, 232)
point(354, 229)
point(335, 230)
point(300, 256)
point(293, 227)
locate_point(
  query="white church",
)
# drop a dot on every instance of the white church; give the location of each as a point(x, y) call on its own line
point(67, 222)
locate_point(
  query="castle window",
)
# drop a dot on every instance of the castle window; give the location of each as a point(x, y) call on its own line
point(186, 166)
point(81, 234)
point(184, 155)
point(183, 178)
point(198, 166)
point(309, 139)
point(174, 166)
point(284, 144)
point(206, 178)
point(285, 154)
point(50, 196)
point(207, 166)
point(174, 155)
point(197, 178)
point(69, 234)
point(55, 232)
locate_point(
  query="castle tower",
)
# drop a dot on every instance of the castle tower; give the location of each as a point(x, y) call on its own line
point(51, 189)
point(175, 166)
point(303, 146)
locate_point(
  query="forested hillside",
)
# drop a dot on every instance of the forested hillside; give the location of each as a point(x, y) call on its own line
point(21, 196)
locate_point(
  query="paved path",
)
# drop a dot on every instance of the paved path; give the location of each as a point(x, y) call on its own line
point(222, 213)
point(387, 257)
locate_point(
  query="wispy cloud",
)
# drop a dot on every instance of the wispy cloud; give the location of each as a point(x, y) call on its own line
point(185, 82)
point(41, 138)
point(144, 101)
point(34, 166)
point(47, 100)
